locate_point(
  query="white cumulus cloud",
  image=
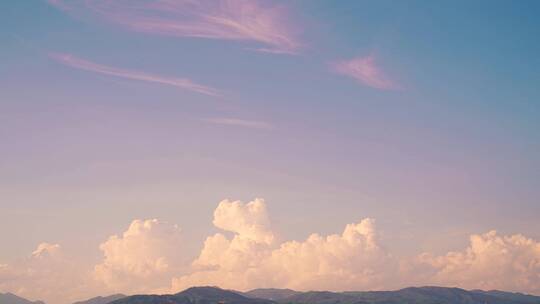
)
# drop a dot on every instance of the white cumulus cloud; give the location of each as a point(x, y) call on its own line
point(142, 258)
point(250, 259)
point(249, 221)
point(351, 260)
point(47, 274)
point(491, 261)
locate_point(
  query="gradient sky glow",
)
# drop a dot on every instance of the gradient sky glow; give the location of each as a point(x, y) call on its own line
point(405, 131)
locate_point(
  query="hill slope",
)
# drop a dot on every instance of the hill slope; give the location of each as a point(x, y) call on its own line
point(102, 300)
point(9, 298)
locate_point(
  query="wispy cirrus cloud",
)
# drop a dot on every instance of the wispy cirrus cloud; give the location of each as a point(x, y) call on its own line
point(61, 4)
point(183, 83)
point(366, 71)
point(239, 20)
point(239, 123)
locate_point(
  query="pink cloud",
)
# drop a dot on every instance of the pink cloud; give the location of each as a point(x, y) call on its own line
point(365, 71)
point(240, 20)
point(182, 83)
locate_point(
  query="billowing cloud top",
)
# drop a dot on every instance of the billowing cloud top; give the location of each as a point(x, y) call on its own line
point(249, 221)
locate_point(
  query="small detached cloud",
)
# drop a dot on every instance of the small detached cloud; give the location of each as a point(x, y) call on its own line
point(238, 20)
point(365, 71)
point(46, 250)
point(183, 83)
point(239, 123)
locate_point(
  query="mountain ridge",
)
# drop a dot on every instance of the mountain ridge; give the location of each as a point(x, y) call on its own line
point(412, 295)
point(195, 295)
point(409, 295)
point(215, 295)
point(9, 298)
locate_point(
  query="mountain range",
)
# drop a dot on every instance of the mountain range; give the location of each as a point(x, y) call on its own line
point(214, 295)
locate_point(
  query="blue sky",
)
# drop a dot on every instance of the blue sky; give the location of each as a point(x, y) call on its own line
point(449, 148)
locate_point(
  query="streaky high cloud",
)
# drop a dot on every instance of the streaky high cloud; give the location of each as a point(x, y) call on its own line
point(183, 83)
point(61, 4)
point(366, 71)
point(239, 123)
point(142, 259)
point(240, 20)
point(491, 261)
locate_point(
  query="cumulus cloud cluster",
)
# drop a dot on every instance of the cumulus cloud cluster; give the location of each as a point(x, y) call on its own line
point(148, 257)
point(352, 259)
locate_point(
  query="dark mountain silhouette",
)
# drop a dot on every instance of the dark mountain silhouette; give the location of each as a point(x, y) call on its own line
point(271, 293)
point(214, 295)
point(412, 295)
point(102, 300)
point(511, 296)
point(194, 295)
point(9, 298)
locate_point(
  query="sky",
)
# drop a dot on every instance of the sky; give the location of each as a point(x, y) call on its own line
point(150, 146)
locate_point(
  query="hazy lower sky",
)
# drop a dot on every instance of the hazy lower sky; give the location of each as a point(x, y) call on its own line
point(124, 124)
